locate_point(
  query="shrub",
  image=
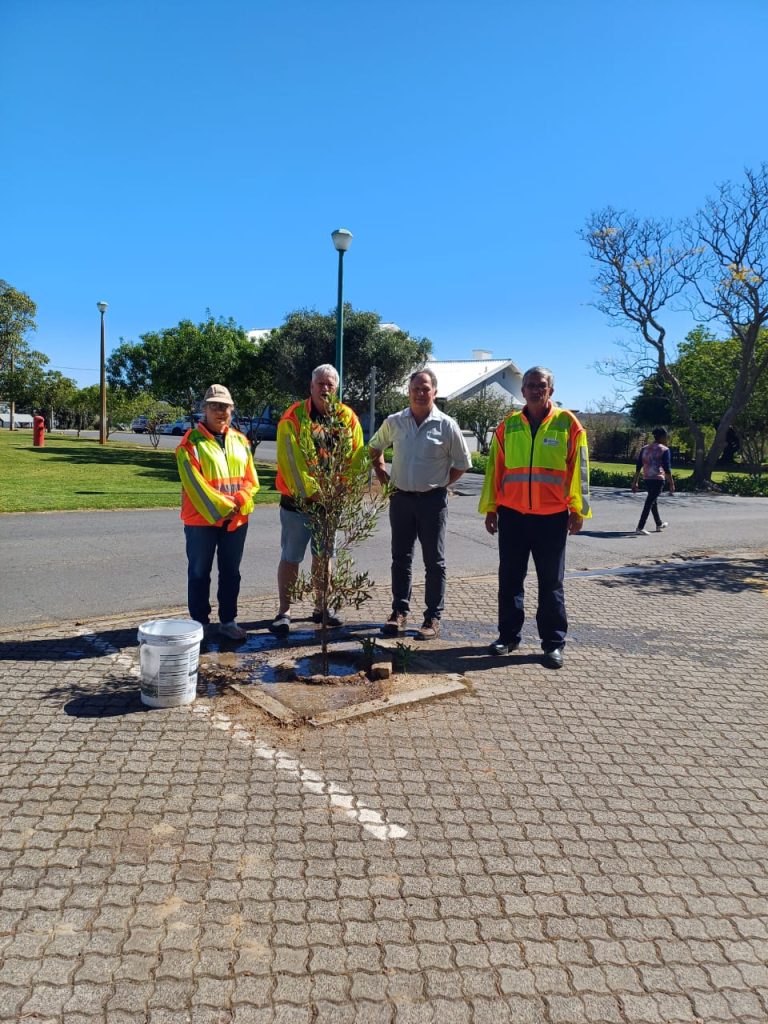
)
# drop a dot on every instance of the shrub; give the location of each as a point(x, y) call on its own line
point(604, 478)
point(479, 462)
point(745, 486)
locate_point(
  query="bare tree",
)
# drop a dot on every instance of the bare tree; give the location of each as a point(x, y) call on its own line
point(731, 232)
point(716, 264)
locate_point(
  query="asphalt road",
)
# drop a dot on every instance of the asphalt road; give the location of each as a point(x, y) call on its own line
point(80, 565)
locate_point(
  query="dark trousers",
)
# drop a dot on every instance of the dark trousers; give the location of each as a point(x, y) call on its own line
point(653, 489)
point(419, 517)
point(203, 542)
point(543, 537)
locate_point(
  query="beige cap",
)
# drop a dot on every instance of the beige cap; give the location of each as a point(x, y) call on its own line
point(218, 393)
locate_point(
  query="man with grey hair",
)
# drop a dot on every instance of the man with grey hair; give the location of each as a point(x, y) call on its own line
point(429, 453)
point(303, 425)
point(535, 493)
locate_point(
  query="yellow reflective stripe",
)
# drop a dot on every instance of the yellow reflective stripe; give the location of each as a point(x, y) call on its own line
point(194, 490)
point(299, 487)
point(584, 481)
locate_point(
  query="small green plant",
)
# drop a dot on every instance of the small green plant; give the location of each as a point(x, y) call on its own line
point(343, 510)
point(402, 656)
point(368, 643)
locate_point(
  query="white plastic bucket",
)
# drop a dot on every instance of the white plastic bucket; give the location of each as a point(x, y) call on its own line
point(169, 652)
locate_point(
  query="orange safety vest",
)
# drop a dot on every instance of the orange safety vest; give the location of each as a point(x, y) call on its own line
point(294, 478)
point(538, 474)
point(215, 480)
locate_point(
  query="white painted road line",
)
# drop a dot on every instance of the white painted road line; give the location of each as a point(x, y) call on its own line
point(366, 817)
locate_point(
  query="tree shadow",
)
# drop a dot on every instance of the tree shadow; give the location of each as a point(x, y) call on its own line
point(77, 647)
point(119, 696)
point(733, 576)
point(606, 533)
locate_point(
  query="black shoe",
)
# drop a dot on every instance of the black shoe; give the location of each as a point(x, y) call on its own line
point(500, 647)
point(554, 658)
point(280, 625)
point(395, 624)
point(333, 620)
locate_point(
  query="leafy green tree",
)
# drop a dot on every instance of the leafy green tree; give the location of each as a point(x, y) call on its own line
point(86, 406)
point(308, 338)
point(56, 393)
point(177, 361)
point(717, 264)
point(481, 414)
point(23, 374)
point(652, 405)
point(17, 318)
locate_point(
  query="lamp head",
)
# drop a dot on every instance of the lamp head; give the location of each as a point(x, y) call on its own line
point(342, 239)
point(102, 307)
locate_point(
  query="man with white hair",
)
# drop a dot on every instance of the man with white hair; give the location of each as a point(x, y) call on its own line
point(303, 425)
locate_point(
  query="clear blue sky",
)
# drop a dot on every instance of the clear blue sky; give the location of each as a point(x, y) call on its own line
point(170, 157)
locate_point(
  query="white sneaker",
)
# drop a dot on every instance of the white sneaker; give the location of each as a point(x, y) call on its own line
point(641, 531)
point(232, 631)
point(661, 526)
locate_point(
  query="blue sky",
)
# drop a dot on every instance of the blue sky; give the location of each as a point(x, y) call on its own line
point(172, 157)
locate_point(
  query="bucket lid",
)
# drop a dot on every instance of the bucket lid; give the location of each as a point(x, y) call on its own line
point(171, 630)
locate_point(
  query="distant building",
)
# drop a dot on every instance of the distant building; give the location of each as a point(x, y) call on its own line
point(20, 419)
point(465, 378)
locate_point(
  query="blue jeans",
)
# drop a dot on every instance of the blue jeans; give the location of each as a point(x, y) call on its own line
point(419, 517)
point(203, 542)
point(544, 537)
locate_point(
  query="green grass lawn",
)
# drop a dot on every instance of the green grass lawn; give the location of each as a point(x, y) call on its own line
point(72, 473)
point(678, 473)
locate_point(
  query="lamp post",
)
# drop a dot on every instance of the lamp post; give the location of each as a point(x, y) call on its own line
point(342, 239)
point(102, 308)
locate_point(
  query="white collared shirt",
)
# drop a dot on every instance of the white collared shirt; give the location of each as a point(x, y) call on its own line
point(423, 453)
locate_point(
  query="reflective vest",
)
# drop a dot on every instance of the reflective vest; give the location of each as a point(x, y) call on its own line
point(294, 437)
point(541, 474)
point(214, 480)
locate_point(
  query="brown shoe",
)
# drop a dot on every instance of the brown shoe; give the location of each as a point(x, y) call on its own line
point(395, 624)
point(430, 630)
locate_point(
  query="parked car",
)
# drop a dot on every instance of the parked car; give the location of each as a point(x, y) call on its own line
point(140, 425)
point(178, 427)
point(265, 428)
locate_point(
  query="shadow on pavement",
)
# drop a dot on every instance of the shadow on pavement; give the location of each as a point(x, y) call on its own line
point(734, 576)
point(77, 647)
point(606, 533)
point(108, 703)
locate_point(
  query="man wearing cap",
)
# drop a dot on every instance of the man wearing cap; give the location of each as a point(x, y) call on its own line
point(305, 427)
point(218, 482)
point(429, 453)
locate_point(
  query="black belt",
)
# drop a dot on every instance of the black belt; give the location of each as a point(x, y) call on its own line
point(421, 494)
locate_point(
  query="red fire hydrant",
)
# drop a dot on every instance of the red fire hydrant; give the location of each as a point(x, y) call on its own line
point(38, 431)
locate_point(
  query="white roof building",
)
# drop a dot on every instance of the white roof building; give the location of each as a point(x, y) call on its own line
point(464, 378)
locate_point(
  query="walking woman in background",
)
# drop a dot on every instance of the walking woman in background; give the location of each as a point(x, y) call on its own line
point(655, 464)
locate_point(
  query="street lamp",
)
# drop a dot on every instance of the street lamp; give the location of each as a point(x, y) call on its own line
point(102, 308)
point(342, 239)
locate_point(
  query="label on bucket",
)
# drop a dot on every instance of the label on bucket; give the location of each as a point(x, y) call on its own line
point(169, 671)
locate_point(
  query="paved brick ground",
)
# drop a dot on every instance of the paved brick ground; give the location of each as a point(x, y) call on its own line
point(589, 845)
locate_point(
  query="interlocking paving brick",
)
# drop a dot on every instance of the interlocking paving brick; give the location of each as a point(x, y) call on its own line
point(587, 845)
